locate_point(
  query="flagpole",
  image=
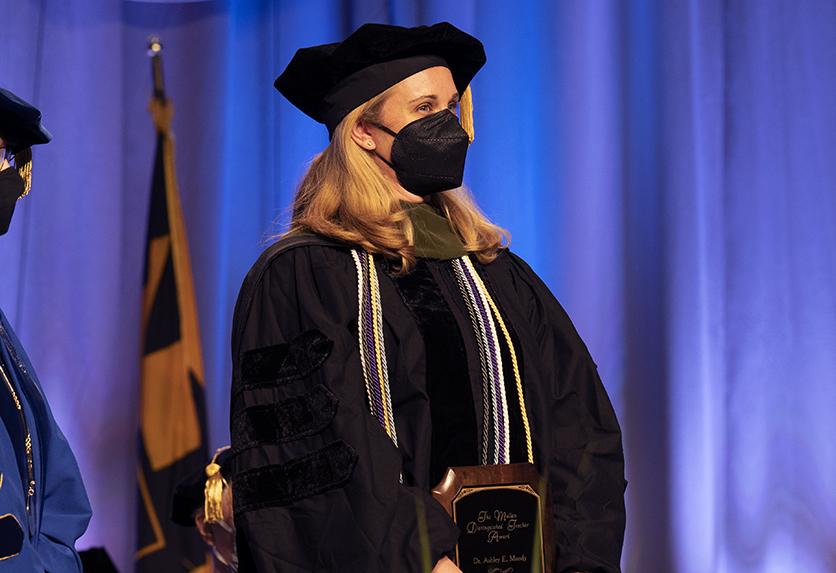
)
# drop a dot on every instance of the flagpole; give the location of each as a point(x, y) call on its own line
point(162, 111)
point(172, 386)
point(160, 108)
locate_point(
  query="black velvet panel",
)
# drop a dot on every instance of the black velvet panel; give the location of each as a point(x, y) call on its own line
point(11, 536)
point(288, 420)
point(286, 362)
point(325, 469)
point(454, 439)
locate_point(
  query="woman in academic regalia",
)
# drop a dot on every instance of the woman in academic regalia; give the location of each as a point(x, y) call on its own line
point(391, 334)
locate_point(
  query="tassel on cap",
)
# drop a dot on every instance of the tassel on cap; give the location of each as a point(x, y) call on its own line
point(466, 113)
point(213, 493)
point(23, 164)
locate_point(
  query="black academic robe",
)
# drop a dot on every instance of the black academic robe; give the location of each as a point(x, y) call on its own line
point(316, 480)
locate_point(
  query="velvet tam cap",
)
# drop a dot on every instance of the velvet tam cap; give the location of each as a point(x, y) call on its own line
point(328, 81)
point(20, 123)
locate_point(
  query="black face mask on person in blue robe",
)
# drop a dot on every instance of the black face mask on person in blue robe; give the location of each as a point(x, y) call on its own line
point(11, 188)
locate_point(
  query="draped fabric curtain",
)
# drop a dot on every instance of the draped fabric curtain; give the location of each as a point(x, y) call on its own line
point(668, 167)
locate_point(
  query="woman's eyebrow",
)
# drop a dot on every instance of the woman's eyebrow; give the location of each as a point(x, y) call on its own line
point(432, 97)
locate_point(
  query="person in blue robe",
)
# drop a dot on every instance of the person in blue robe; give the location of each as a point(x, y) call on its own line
point(43, 504)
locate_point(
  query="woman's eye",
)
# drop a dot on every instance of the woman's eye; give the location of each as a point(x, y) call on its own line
point(453, 106)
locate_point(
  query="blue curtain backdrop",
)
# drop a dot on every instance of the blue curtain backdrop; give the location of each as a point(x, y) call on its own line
point(669, 167)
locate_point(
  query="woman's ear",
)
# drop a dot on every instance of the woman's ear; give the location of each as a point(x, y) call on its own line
point(362, 135)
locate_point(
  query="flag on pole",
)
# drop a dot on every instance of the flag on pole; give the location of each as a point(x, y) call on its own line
point(172, 424)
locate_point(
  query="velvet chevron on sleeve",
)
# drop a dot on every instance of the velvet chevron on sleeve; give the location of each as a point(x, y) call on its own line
point(315, 479)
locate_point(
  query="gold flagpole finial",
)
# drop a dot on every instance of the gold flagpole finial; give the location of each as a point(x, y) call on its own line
point(155, 46)
point(160, 108)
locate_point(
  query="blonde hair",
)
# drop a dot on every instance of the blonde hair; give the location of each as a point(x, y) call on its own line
point(344, 195)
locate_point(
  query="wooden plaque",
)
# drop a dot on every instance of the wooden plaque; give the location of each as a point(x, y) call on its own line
point(504, 518)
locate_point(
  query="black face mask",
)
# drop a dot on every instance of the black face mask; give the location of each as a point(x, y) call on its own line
point(428, 154)
point(11, 188)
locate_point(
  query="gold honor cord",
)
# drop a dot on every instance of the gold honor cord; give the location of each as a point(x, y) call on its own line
point(515, 366)
point(27, 444)
point(489, 418)
point(361, 328)
point(379, 371)
point(382, 367)
point(381, 409)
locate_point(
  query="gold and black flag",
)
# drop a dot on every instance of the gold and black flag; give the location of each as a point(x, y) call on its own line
point(172, 428)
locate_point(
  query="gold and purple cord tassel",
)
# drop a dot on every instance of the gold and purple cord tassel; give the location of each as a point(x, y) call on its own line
point(485, 317)
point(491, 361)
point(372, 348)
